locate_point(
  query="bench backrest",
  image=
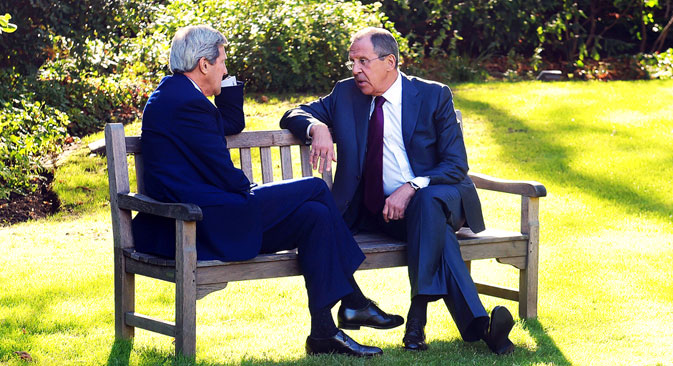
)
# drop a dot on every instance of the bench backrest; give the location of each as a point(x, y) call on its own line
point(119, 146)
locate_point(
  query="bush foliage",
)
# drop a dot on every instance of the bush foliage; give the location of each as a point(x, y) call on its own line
point(274, 45)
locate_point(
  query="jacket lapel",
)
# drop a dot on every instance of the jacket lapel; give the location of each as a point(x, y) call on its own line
point(361, 106)
point(411, 104)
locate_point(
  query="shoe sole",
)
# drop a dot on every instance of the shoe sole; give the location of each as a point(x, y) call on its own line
point(504, 325)
point(419, 349)
point(358, 326)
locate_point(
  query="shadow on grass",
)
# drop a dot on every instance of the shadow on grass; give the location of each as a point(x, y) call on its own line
point(539, 153)
point(120, 353)
point(453, 352)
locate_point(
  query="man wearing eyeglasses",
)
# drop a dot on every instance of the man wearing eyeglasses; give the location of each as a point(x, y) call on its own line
point(402, 170)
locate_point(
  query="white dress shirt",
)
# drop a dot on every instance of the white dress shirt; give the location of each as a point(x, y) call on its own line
point(396, 168)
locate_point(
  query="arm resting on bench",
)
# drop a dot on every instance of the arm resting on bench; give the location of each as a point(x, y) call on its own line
point(524, 188)
point(142, 203)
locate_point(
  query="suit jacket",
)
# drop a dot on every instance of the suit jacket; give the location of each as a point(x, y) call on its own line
point(186, 160)
point(432, 138)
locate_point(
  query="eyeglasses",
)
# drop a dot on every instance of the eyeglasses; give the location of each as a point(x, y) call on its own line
point(363, 62)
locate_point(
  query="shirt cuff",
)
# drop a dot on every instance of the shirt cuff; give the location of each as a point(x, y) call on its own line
point(308, 131)
point(421, 181)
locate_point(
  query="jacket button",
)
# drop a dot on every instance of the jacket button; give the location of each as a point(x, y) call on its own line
point(357, 177)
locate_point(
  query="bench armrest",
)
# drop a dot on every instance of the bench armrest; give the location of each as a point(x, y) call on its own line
point(142, 203)
point(524, 188)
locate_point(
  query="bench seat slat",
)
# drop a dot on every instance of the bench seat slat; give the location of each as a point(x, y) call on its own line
point(304, 157)
point(473, 246)
point(246, 163)
point(262, 138)
point(267, 164)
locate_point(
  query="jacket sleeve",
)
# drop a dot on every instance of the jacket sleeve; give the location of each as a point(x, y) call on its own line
point(230, 106)
point(452, 164)
point(197, 133)
point(298, 119)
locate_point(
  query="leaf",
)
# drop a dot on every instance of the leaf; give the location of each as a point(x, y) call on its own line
point(24, 355)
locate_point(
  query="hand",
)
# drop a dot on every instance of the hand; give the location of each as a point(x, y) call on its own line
point(322, 148)
point(397, 203)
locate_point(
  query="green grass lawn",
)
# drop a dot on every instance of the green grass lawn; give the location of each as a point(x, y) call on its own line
point(603, 150)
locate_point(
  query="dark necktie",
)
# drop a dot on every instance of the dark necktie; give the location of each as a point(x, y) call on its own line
point(373, 174)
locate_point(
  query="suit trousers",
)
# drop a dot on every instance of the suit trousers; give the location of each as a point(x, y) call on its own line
point(301, 214)
point(435, 264)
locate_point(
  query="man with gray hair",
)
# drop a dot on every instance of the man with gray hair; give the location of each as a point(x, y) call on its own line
point(186, 160)
point(402, 170)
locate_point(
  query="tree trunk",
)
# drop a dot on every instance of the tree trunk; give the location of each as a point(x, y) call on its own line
point(659, 43)
point(643, 28)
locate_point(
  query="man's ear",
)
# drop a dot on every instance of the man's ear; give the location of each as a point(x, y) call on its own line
point(203, 65)
point(390, 62)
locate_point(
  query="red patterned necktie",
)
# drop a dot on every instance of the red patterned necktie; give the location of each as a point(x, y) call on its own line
point(373, 174)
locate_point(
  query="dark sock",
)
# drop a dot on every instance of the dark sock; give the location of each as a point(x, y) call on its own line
point(322, 323)
point(356, 299)
point(419, 308)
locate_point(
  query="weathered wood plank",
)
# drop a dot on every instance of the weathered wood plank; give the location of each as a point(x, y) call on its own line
point(327, 177)
point(286, 162)
point(521, 187)
point(497, 291)
point(262, 138)
point(185, 287)
point(150, 323)
point(204, 290)
point(239, 271)
point(493, 250)
point(305, 158)
point(246, 163)
point(140, 173)
point(267, 164)
point(151, 270)
point(118, 181)
point(517, 262)
point(142, 203)
point(528, 278)
point(133, 145)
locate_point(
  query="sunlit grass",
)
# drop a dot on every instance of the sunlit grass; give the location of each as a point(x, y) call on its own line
point(603, 150)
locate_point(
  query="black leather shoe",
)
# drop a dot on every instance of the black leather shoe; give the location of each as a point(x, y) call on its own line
point(369, 316)
point(414, 337)
point(497, 334)
point(340, 343)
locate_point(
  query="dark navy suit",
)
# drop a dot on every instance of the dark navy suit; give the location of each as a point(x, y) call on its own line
point(186, 160)
point(435, 148)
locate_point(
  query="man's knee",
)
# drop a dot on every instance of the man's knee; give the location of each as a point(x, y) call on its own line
point(313, 212)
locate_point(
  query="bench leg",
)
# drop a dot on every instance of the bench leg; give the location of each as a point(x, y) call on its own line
point(124, 295)
point(528, 277)
point(185, 288)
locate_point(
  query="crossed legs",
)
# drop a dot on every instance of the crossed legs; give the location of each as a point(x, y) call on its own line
point(301, 214)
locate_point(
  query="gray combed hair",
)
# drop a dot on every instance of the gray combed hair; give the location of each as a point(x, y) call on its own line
point(193, 42)
point(382, 40)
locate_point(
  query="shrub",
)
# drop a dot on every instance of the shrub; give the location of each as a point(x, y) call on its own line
point(38, 113)
point(40, 21)
point(29, 131)
point(659, 65)
point(274, 45)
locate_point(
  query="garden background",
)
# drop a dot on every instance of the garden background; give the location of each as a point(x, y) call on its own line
point(600, 141)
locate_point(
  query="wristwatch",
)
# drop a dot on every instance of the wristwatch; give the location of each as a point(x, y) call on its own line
point(413, 185)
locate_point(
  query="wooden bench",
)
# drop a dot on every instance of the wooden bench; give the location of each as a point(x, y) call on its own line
point(195, 279)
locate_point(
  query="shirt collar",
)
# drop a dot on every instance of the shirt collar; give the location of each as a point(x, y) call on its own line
point(394, 93)
point(194, 83)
